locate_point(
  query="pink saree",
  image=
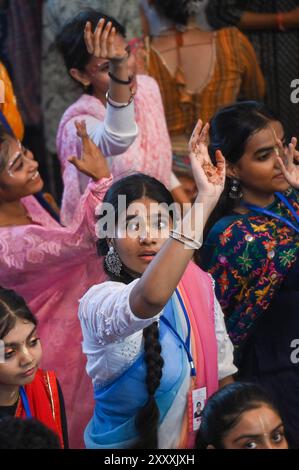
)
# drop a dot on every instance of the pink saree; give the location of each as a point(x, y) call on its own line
point(52, 267)
point(150, 153)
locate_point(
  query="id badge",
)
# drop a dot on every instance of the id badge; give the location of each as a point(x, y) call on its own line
point(197, 400)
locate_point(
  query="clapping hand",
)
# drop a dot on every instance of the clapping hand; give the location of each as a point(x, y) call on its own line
point(92, 162)
point(209, 178)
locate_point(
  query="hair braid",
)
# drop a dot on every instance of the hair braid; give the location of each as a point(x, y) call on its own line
point(147, 418)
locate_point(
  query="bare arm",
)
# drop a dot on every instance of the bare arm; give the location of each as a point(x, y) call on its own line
point(160, 279)
point(250, 20)
point(257, 21)
point(179, 195)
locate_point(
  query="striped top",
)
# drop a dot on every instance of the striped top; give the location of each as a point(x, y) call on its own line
point(235, 75)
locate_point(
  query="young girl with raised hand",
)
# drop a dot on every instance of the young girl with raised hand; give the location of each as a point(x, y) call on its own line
point(150, 153)
point(154, 334)
point(26, 391)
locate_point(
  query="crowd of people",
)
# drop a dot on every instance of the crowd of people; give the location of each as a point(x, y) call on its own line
point(149, 251)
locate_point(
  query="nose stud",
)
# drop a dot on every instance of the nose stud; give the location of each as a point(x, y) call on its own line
point(141, 240)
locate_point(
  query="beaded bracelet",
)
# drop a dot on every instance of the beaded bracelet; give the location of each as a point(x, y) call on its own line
point(120, 105)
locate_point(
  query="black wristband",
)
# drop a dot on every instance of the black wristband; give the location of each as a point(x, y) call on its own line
point(118, 80)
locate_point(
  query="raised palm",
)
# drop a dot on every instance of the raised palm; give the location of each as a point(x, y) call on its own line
point(92, 162)
point(209, 178)
point(101, 43)
point(287, 166)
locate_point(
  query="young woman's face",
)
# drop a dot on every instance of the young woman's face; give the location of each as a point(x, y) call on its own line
point(258, 170)
point(260, 428)
point(22, 354)
point(20, 176)
point(147, 225)
point(97, 70)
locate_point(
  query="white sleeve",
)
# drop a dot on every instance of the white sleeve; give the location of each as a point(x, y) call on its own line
point(116, 133)
point(226, 365)
point(105, 313)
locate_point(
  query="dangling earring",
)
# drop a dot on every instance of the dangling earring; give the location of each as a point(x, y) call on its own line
point(235, 190)
point(113, 262)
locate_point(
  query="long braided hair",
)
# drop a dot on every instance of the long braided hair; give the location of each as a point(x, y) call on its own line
point(135, 187)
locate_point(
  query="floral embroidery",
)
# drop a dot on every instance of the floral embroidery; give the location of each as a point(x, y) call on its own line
point(245, 262)
point(249, 272)
point(288, 257)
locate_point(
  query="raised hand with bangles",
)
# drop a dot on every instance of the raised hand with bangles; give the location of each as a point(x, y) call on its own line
point(104, 43)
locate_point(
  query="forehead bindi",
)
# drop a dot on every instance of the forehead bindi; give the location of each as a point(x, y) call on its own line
point(265, 137)
point(259, 421)
point(9, 149)
point(14, 150)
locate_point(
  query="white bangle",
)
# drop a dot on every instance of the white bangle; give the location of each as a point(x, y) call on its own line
point(190, 242)
point(115, 104)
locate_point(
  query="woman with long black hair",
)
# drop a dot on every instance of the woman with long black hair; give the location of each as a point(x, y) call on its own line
point(153, 334)
point(251, 250)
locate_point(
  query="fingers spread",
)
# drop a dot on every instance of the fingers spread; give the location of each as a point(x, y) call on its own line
point(97, 37)
point(88, 36)
point(75, 161)
point(104, 37)
point(81, 129)
point(220, 160)
point(204, 135)
point(282, 167)
point(111, 38)
point(194, 135)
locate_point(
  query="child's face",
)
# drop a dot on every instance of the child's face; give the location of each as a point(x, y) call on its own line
point(22, 354)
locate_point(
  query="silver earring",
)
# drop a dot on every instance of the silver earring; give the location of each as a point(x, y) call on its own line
point(113, 262)
point(235, 191)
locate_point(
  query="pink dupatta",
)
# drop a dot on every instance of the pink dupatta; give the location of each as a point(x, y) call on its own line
point(197, 293)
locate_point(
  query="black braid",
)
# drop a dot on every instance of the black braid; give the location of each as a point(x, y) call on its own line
point(134, 187)
point(147, 419)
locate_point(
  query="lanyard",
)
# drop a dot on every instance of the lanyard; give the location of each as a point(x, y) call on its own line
point(283, 199)
point(187, 343)
point(25, 402)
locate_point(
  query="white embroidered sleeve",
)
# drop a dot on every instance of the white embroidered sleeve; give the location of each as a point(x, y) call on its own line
point(105, 313)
